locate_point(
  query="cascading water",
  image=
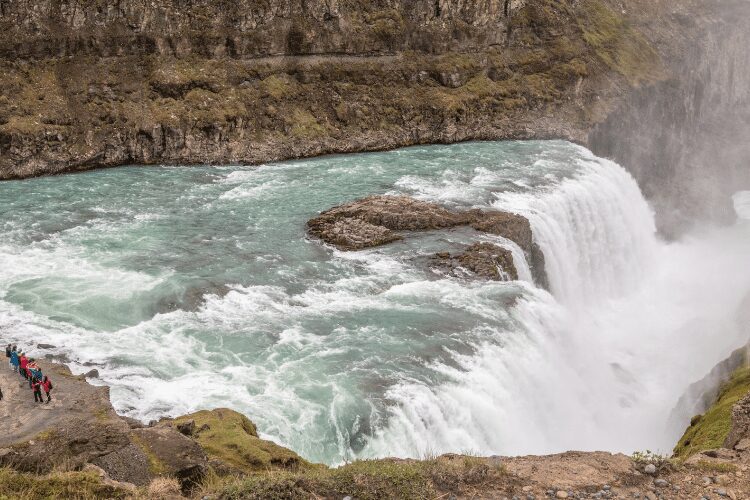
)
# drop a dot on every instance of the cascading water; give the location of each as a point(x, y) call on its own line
point(197, 287)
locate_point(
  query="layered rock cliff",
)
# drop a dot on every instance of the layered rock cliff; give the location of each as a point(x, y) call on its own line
point(87, 84)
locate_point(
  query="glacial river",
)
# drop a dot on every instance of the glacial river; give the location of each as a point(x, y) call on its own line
point(197, 287)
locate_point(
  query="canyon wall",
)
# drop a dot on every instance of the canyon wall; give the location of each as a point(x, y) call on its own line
point(660, 86)
point(89, 84)
point(687, 138)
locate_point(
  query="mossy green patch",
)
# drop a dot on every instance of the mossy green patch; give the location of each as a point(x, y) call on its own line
point(709, 431)
point(232, 438)
point(708, 466)
point(617, 43)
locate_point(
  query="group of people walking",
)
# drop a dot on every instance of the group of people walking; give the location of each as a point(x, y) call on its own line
point(29, 372)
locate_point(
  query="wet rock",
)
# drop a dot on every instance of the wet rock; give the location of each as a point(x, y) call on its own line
point(393, 213)
point(484, 260)
point(92, 373)
point(46, 346)
point(378, 220)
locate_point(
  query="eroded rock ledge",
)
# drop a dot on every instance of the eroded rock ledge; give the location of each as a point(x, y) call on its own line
point(379, 220)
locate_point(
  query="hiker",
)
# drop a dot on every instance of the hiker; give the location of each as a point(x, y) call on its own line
point(33, 371)
point(23, 361)
point(14, 359)
point(7, 355)
point(47, 386)
point(36, 386)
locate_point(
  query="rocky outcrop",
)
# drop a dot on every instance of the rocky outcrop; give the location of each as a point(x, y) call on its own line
point(740, 429)
point(378, 220)
point(79, 430)
point(484, 260)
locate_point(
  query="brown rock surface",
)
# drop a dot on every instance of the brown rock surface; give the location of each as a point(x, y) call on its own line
point(484, 260)
point(375, 220)
point(171, 453)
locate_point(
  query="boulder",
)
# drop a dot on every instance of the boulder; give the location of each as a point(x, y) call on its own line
point(186, 427)
point(483, 260)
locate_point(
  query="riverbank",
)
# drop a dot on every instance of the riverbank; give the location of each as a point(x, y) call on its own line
point(78, 447)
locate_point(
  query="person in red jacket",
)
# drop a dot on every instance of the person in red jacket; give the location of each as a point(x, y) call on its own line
point(47, 386)
point(36, 386)
point(23, 362)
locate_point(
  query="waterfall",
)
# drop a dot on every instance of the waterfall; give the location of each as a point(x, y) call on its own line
point(601, 361)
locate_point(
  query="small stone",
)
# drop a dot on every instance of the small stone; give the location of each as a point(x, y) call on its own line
point(660, 483)
point(650, 469)
point(347, 498)
point(731, 494)
point(706, 481)
point(561, 494)
point(607, 487)
point(530, 497)
point(526, 489)
point(721, 492)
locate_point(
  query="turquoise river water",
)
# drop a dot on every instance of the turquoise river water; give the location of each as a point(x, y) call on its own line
point(197, 287)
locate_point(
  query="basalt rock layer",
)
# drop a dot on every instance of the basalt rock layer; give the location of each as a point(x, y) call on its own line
point(86, 84)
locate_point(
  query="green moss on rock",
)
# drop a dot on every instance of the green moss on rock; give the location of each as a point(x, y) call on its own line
point(616, 43)
point(232, 438)
point(708, 431)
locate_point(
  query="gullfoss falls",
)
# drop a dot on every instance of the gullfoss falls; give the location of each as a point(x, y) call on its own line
point(198, 287)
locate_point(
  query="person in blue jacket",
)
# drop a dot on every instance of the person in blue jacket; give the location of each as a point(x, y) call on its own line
point(14, 358)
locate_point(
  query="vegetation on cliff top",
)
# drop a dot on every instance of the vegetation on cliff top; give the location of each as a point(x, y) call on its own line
point(708, 431)
point(82, 485)
point(231, 437)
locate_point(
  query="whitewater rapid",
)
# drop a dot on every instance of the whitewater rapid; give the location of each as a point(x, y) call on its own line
point(631, 322)
point(192, 288)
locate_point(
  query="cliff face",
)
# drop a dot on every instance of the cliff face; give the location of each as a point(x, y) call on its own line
point(686, 138)
point(87, 83)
